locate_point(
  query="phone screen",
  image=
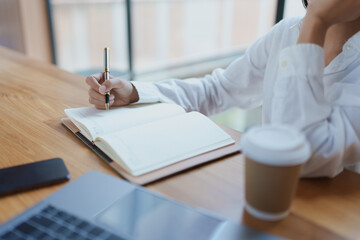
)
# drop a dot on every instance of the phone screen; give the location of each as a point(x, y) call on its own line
point(33, 175)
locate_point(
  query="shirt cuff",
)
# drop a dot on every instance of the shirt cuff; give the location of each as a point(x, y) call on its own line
point(301, 60)
point(147, 92)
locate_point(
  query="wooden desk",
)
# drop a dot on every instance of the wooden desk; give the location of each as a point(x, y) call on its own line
point(33, 96)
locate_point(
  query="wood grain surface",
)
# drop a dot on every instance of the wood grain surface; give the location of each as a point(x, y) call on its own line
point(33, 97)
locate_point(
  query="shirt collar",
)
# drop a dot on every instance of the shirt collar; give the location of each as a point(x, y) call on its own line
point(354, 41)
point(297, 25)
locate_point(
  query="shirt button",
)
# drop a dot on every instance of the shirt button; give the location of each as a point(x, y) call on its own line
point(349, 47)
point(284, 63)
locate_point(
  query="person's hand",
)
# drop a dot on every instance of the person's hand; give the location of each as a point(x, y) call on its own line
point(331, 12)
point(322, 14)
point(122, 92)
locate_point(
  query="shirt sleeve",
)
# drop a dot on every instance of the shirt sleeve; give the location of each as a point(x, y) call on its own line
point(299, 101)
point(240, 85)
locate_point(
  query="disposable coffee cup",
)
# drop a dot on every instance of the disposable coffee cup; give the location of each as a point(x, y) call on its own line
point(273, 159)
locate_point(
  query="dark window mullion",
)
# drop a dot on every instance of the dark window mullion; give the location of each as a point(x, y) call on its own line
point(129, 37)
point(280, 10)
point(51, 30)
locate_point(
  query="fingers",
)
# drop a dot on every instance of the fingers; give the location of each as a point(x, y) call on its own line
point(110, 84)
point(98, 99)
point(96, 95)
point(100, 104)
point(94, 81)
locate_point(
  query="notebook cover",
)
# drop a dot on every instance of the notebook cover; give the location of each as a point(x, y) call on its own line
point(167, 170)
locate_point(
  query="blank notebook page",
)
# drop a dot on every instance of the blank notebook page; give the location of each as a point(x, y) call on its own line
point(157, 144)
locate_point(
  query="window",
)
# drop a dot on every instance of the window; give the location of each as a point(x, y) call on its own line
point(166, 34)
point(294, 8)
point(173, 33)
point(81, 30)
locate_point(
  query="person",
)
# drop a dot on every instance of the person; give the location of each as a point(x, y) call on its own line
point(305, 72)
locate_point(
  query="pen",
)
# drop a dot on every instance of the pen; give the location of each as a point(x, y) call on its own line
point(107, 76)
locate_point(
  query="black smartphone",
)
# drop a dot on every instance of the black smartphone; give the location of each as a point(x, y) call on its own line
point(33, 175)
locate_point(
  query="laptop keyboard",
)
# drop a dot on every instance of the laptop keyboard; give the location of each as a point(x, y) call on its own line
point(52, 223)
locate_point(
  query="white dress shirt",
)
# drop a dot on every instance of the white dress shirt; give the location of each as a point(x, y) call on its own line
point(294, 87)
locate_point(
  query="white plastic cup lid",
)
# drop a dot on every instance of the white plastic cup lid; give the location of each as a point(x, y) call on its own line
point(276, 145)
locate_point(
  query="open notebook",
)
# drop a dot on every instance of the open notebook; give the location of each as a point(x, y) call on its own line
point(143, 138)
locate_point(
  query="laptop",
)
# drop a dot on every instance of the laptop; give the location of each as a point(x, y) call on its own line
point(99, 206)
